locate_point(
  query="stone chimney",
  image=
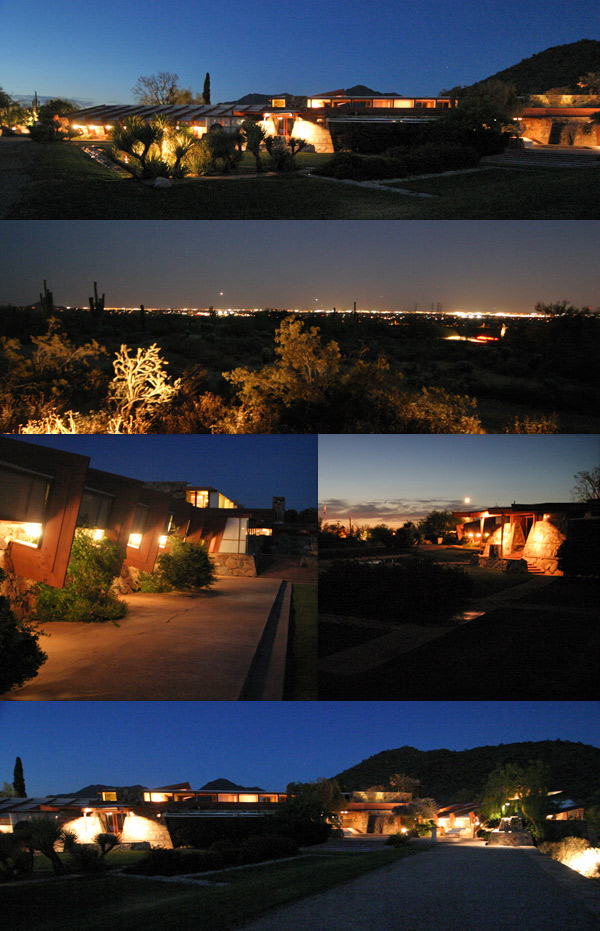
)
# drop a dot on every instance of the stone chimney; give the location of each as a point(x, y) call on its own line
point(279, 509)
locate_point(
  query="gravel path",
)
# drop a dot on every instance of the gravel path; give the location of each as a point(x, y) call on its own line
point(454, 887)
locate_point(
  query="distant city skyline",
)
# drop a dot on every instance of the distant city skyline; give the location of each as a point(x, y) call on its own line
point(391, 479)
point(473, 266)
point(404, 47)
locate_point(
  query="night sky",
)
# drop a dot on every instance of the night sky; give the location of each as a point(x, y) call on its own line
point(96, 53)
point(65, 746)
point(465, 265)
point(249, 469)
point(394, 478)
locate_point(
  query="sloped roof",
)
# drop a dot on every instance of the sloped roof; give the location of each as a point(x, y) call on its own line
point(107, 113)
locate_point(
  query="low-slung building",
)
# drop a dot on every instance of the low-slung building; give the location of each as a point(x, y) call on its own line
point(46, 494)
point(140, 815)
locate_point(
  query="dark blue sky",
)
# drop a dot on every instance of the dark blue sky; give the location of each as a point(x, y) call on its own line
point(96, 52)
point(67, 745)
point(249, 469)
point(391, 479)
point(465, 265)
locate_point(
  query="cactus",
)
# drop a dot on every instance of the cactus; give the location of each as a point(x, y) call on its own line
point(47, 300)
point(96, 303)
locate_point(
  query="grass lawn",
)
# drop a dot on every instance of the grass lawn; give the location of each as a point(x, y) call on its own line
point(524, 652)
point(67, 184)
point(490, 581)
point(94, 903)
point(301, 672)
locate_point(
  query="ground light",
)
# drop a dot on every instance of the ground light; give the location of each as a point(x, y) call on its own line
point(587, 862)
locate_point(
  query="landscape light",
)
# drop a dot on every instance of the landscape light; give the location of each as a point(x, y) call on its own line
point(135, 539)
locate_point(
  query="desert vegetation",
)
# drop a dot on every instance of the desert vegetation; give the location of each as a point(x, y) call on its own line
point(97, 371)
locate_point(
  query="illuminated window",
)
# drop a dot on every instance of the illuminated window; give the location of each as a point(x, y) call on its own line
point(268, 798)
point(248, 798)
point(198, 498)
point(140, 522)
point(109, 796)
point(278, 102)
point(228, 798)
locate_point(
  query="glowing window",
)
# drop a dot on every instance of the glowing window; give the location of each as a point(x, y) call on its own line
point(278, 102)
point(228, 798)
point(140, 520)
point(248, 798)
point(109, 796)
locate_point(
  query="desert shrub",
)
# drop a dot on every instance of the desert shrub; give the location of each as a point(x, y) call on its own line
point(86, 595)
point(44, 132)
point(565, 849)
point(397, 840)
point(280, 155)
point(350, 166)
point(106, 842)
point(186, 567)
point(416, 590)
point(20, 653)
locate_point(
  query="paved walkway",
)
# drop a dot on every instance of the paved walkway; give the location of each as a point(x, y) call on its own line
point(453, 887)
point(169, 647)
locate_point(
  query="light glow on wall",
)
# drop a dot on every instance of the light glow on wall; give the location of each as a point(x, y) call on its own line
point(135, 540)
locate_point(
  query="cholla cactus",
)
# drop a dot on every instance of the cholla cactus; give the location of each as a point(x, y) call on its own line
point(140, 387)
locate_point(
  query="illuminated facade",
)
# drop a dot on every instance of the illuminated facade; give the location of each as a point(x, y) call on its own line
point(530, 534)
point(45, 494)
point(137, 815)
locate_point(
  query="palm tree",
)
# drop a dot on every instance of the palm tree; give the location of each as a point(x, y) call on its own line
point(255, 135)
point(42, 834)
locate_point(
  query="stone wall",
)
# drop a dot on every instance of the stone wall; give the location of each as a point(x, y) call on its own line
point(135, 830)
point(541, 549)
point(383, 823)
point(578, 132)
point(234, 564)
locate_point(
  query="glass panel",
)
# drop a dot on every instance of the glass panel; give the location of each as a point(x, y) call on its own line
point(140, 519)
point(95, 509)
point(23, 495)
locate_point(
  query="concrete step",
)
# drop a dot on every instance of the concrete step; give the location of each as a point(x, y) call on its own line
point(544, 158)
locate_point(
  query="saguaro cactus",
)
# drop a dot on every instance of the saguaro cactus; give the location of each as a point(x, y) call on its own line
point(96, 303)
point(47, 300)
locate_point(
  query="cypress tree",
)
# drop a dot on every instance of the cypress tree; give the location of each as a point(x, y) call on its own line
point(206, 89)
point(19, 779)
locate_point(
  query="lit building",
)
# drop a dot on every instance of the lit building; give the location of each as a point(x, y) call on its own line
point(529, 534)
point(45, 494)
point(138, 815)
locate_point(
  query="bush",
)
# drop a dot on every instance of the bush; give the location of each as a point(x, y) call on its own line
point(44, 132)
point(350, 166)
point(221, 854)
point(20, 653)
point(186, 567)
point(416, 590)
point(565, 849)
point(86, 595)
point(579, 557)
point(397, 840)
